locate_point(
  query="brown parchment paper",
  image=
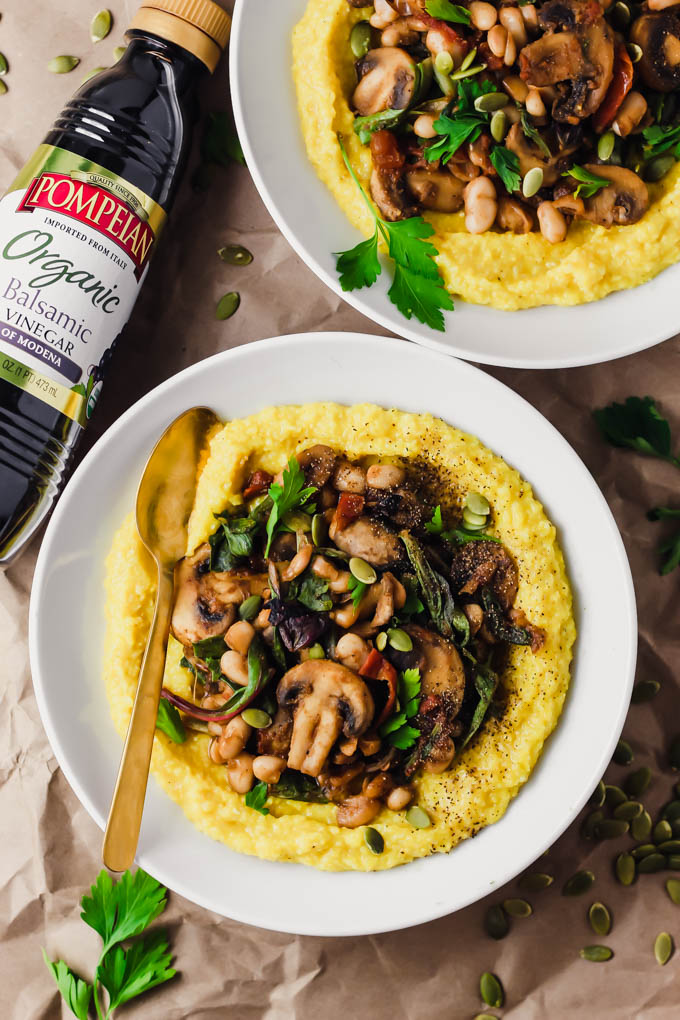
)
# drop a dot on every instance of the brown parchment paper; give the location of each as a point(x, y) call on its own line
point(49, 847)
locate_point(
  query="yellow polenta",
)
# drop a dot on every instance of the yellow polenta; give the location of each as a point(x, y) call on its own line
point(488, 774)
point(501, 269)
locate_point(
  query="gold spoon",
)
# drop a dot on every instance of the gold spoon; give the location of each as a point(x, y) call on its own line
point(164, 501)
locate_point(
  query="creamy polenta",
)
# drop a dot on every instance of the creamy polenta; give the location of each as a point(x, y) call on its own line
point(487, 774)
point(504, 270)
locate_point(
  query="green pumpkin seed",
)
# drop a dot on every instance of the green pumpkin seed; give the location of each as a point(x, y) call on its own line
point(227, 305)
point(673, 889)
point(579, 883)
point(669, 846)
point(643, 850)
point(611, 828)
point(443, 62)
point(467, 59)
point(614, 796)
point(399, 640)
point(373, 840)
point(235, 255)
point(256, 718)
point(672, 811)
point(474, 520)
point(673, 862)
point(663, 947)
point(360, 39)
point(467, 72)
point(645, 691)
point(319, 529)
point(485, 1016)
point(92, 74)
point(605, 145)
point(629, 810)
point(662, 831)
point(474, 501)
point(381, 641)
point(638, 781)
point(498, 125)
point(297, 520)
point(418, 818)
point(623, 755)
point(517, 908)
point(249, 609)
point(491, 990)
point(590, 823)
point(536, 881)
point(487, 103)
point(599, 918)
point(641, 827)
point(118, 52)
point(634, 52)
point(596, 954)
point(62, 65)
point(362, 570)
point(655, 170)
point(620, 14)
point(4, 66)
point(101, 26)
point(317, 652)
point(674, 758)
point(598, 795)
point(651, 864)
point(533, 182)
point(496, 923)
point(3, 87)
point(624, 869)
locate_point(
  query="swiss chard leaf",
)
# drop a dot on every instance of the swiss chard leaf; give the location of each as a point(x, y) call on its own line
point(460, 536)
point(76, 992)
point(436, 592)
point(485, 681)
point(296, 786)
point(256, 798)
point(385, 120)
point(127, 973)
point(638, 424)
point(493, 615)
point(169, 721)
point(210, 648)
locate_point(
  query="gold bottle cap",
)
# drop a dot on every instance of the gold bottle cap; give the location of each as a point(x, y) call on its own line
point(200, 26)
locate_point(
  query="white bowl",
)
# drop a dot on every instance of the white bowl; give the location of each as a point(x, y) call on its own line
point(67, 624)
point(309, 217)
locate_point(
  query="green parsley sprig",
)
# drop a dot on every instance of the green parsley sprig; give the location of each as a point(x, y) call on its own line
point(464, 124)
point(589, 184)
point(417, 288)
point(293, 494)
point(256, 798)
point(397, 730)
point(659, 139)
point(447, 11)
point(506, 165)
point(358, 590)
point(118, 912)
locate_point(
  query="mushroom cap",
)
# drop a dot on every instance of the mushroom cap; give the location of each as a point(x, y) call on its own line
point(370, 540)
point(530, 155)
point(625, 201)
point(441, 667)
point(318, 463)
point(387, 81)
point(513, 215)
point(481, 563)
point(436, 189)
point(658, 36)
point(389, 192)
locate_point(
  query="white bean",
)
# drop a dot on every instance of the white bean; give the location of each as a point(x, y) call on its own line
point(384, 14)
point(351, 651)
point(299, 562)
point(349, 477)
point(512, 19)
point(423, 126)
point(630, 113)
point(268, 768)
point(385, 476)
point(481, 205)
point(235, 667)
point(482, 15)
point(239, 636)
point(534, 103)
point(497, 40)
point(552, 223)
point(240, 773)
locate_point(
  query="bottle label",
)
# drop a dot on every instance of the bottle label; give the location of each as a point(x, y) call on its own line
point(75, 244)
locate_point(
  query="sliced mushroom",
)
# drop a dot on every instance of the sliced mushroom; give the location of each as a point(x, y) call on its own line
point(387, 80)
point(436, 189)
point(658, 36)
point(442, 670)
point(390, 194)
point(530, 155)
point(514, 216)
point(624, 201)
point(368, 539)
point(318, 463)
point(326, 699)
point(392, 597)
point(551, 59)
point(485, 563)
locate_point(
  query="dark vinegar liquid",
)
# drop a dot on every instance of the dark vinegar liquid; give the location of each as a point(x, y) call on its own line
point(136, 121)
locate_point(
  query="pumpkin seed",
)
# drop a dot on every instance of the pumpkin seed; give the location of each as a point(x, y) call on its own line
point(623, 755)
point(474, 520)
point(535, 881)
point(533, 182)
point(235, 255)
point(673, 889)
point(655, 170)
point(319, 529)
point(596, 954)
point(620, 14)
point(101, 26)
point(579, 883)
point(498, 125)
point(474, 501)
point(672, 811)
point(638, 781)
point(590, 824)
point(381, 641)
point(91, 74)
point(443, 62)
point(517, 908)
point(496, 923)
point(418, 818)
point(360, 39)
point(628, 811)
point(598, 795)
point(673, 862)
point(491, 990)
point(611, 828)
point(468, 58)
point(634, 52)
point(614, 796)
point(4, 66)
point(624, 868)
point(489, 102)
point(663, 947)
point(485, 1016)
point(467, 72)
point(249, 609)
point(399, 640)
point(62, 65)
point(645, 691)
point(662, 831)
point(227, 305)
point(669, 846)
point(605, 145)
point(317, 651)
point(674, 758)
point(651, 863)
point(373, 840)
point(362, 570)
point(118, 52)
point(641, 827)
point(599, 918)
point(256, 718)
point(643, 850)
point(3, 87)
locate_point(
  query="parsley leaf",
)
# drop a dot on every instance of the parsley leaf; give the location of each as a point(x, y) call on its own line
point(506, 165)
point(121, 911)
point(396, 730)
point(447, 11)
point(169, 721)
point(358, 590)
point(360, 267)
point(126, 973)
point(639, 424)
point(660, 139)
point(590, 184)
point(292, 494)
point(455, 130)
point(436, 525)
point(256, 798)
point(76, 992)
point(532, 134)
point(670, 548)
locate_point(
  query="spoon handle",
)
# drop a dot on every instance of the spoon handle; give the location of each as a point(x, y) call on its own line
point(125, 817)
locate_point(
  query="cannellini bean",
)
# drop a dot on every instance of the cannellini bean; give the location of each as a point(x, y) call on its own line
point(239, 636)
point(512, 19)
point(262, 620)
point(349, 477)
point(481, 205)
point(299, 562)
point(497, 40)
point(385, 476)
point(215, 729)
point(475, 615)
point(530, 17)
point(510, 55)
point(338, 580)
point(630, 113)
point(516, 88)
point(482, 15)
point(399, 33)
point(443, 40)
point(357, 811)
point(351, 651)
point(384, 15)
point(423, 126)
point(552, 223)
point(660, 5)
point(534, 103)
point(369, 744)
point(240, 773)
point(399, 798)
point(211, 701)
point(232, 741)
point(235, 667)
point(378, 786)
point(268, 768)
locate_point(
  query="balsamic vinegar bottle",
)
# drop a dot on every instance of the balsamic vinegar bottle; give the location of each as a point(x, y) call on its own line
point(77, 229)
